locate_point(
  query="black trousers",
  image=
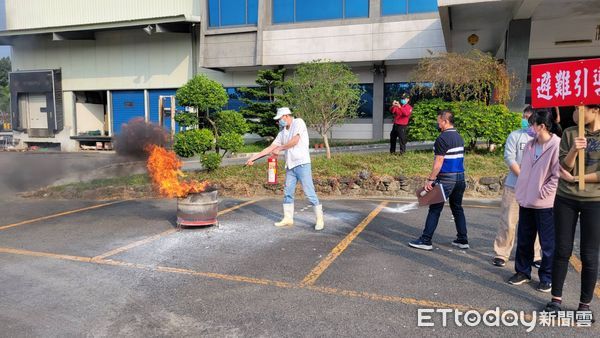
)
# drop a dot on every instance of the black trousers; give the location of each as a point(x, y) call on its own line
point(566, 213)
point(398, 132)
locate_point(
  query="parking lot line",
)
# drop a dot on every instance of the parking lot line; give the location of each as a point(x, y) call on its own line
point(162, 234)
point(574, 260)
point(243, 279)
point(45, 254)
point(318, 270)
point(4, 227)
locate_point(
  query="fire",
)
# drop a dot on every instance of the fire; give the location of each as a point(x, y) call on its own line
point(165, 171)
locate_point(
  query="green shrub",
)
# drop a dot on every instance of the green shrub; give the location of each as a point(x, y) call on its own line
point(191, 142)
point(230, 121)
point(231, 142)
point(210, 161)
point(186, 119)
point(473, 119)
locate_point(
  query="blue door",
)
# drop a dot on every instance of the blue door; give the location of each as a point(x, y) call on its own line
point(126, 105)
point(153, 96)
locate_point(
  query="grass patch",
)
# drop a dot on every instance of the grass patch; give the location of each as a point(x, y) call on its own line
point(248, 181)
point(260, 145)
point(139, 180)
point(413, 163)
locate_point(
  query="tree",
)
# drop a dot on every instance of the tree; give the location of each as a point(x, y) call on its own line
point(324, 94)
point(206, 96)
point(5, 68)
point(470, 76)
point(262, 102)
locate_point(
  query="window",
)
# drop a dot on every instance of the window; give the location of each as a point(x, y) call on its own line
point(236, 97)
point(393, 91)
point(232, 12)
point(422, 6)
point(366, 101)
point(290, 11)
point(400, 7)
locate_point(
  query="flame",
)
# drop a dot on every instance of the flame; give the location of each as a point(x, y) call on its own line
point(165, 171)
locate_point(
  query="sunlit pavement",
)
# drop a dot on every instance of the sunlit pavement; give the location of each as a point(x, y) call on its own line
point(106, 269)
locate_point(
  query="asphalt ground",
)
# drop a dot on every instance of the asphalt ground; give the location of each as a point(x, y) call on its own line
point(75, 268)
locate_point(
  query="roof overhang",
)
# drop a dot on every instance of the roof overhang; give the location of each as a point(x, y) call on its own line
point(170, 24)
point(488, 19)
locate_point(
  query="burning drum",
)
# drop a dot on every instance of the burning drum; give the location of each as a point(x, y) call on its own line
point(198, 209)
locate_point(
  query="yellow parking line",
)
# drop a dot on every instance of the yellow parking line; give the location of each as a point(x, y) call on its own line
point(243, 279)
point(235, 207)
point(134, 244)
point(162, 234)
point(59, 214)
point(574, 260)
point(45, 254)
point(318, 270)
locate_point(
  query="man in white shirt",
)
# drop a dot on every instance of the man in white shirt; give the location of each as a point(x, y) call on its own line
point(293, 139)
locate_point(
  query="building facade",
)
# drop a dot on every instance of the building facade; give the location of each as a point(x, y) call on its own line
point(83, 68)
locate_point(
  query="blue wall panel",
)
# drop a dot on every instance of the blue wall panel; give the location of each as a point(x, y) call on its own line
point(126, 104)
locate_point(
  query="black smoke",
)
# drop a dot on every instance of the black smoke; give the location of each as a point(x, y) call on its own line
point(136, 135)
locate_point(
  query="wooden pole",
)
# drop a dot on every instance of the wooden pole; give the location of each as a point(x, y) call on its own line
point(581, 153)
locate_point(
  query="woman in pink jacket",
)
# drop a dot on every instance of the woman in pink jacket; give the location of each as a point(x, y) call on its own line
point(535, 192)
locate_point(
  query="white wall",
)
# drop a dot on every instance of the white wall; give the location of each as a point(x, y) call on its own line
point(353, 43)
point(229, 50)
point(115, 60)
point(545, 32)
point(90, 117)
point(27, 14)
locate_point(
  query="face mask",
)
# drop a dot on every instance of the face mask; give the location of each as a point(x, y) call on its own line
point(404, 101)
point(282, 123)
point(531, 132)
point(524, 123)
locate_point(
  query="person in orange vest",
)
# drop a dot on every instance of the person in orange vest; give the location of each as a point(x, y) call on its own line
point(293, 139)
point(401, 111)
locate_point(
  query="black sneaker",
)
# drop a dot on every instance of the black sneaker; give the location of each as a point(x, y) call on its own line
point(499, 262)
point(461, 244)
point(537, 264)
point(518, 279)
point(552, 307)
point(420, 244)
point(544, 287)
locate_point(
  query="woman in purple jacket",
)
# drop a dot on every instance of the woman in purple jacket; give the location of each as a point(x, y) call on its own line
point(535, 192)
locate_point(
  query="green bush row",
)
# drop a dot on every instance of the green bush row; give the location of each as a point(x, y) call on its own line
point(474, 120)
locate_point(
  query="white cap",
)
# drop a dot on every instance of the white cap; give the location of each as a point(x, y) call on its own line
point(282, 111)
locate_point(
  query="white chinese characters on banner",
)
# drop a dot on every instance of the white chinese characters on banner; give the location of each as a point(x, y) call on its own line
point(562, 84)
point(571, 83)
point(597, 81)
point(578, 82)
point(544, 87)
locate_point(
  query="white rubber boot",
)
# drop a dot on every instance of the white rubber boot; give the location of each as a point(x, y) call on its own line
point(320, 224)
point(288, 216)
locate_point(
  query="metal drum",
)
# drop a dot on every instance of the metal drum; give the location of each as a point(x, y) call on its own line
point(198, 209)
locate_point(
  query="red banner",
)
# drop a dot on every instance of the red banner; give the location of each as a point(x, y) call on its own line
point(571, 83)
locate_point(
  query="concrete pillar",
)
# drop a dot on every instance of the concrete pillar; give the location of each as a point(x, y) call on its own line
point(374, 9)
point(378, 83)
point(517, 59)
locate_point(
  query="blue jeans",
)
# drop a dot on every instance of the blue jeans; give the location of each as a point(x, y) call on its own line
point(454, 186)
point(302, 173)
point(531, 223)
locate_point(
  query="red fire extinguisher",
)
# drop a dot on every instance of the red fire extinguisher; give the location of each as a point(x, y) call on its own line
point(272, 170)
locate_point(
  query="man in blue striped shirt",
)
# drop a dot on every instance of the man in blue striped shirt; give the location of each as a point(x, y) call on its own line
point(449, 171)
